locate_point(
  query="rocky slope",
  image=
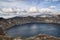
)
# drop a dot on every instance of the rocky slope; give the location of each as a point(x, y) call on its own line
point(38, 37)
point(7, 23)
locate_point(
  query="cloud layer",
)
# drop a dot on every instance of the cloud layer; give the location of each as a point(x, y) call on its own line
point(11, 8)
point(32, 11)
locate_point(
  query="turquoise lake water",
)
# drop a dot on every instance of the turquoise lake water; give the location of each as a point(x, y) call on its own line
point(32, 29)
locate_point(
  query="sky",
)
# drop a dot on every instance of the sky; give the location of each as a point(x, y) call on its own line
point(30, 3)
point(42, 5)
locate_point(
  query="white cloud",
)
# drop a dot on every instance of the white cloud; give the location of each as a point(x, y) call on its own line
point(30, 12)
point(45, 10)
point(52, 7)
point(33, 9)
point(49, 9)
point(7, 17)
point(7, 9)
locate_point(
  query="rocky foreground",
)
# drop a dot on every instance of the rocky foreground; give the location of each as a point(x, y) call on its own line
point(5, 24)
point(38, 37)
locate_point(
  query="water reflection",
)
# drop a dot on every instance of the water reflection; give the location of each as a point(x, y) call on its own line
point(32, 29)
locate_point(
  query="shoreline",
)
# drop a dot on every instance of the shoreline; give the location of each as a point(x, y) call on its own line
point(8, 23)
